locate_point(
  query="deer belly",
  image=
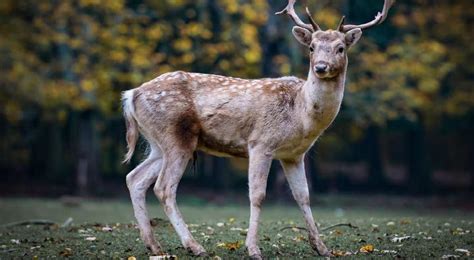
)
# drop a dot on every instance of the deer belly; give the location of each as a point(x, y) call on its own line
point(223, 134)
point(222, 147)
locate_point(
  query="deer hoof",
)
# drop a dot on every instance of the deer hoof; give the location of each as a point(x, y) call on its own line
point(197, 250)
point(203, 254)
point(155, 250)
point(319, 247)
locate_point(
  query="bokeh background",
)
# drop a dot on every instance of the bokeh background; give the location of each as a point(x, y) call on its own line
point(406, 124)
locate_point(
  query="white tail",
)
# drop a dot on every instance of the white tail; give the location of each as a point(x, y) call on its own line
point(131, 123)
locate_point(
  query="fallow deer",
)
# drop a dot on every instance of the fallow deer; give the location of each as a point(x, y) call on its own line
point(259, 119)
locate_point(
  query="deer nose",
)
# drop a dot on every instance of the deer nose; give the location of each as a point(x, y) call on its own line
point(321, 67)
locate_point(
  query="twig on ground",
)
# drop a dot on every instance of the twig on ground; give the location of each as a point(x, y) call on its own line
point(323, 229)
point(300, 228)
point(45, 222)
point(29, 222)
point(339, 225)
point(67, 223)
point(8, 250)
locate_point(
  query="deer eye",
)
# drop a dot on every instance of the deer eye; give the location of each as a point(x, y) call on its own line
point(311, 49)
point(340, 50)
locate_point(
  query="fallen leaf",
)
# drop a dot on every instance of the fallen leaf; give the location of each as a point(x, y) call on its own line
point(449, 256)
point(464, 251)
point(390, 223)
point(232, 246)
point(299, 238)
point(399, 239)
point(160, 257)
point(405, 221)
point(220, 224)
point(131, 258)
point(388, 251)
point(367, 249)
point(91, 238)
point(66, 252)
point(107, 229)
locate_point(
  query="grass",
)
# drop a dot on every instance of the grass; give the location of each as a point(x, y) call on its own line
point(221, 230)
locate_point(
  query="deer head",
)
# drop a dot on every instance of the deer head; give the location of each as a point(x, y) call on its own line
point(328, 49)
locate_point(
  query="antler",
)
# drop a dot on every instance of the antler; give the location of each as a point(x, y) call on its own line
point(290, 11)
point(379, 18)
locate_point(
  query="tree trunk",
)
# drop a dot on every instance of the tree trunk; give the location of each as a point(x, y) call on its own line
point(87, 169)
point(377, 180)
point(419, 171)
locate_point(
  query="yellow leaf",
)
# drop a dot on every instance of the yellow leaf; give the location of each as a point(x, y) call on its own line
point(367, 249)
point(405, 221)
point(232, 246)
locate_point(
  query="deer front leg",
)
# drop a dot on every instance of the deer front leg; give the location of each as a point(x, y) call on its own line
point(295, 174)
point(259, 166)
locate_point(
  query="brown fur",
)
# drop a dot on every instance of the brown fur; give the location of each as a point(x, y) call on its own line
point(187, 130)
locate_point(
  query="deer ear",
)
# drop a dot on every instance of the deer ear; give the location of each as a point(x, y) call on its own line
point(353, 36)
point(302, 35)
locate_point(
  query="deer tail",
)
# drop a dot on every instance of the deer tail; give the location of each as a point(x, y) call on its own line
point(128, 98)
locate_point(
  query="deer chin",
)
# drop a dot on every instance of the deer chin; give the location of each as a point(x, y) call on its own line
point(325, 75)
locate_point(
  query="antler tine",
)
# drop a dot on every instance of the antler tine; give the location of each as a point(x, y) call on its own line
point(341, 24)
point(290, 11)
point(313, 23)
point(379, 18)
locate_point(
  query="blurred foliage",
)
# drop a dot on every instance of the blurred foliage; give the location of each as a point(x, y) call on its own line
point(79, 55)
point(75, 56)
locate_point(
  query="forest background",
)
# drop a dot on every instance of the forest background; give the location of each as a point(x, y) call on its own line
point(405, 127)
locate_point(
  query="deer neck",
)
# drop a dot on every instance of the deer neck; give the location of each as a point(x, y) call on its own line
point(322, 98)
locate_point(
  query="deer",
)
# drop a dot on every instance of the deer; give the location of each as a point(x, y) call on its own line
point(179, 113)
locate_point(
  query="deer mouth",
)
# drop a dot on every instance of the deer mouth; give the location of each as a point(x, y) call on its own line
point(325, 74)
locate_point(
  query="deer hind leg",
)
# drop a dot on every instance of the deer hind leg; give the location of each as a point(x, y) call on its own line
point(165, 188)
point(138, 182)
point(295, 174)
point(259, 166)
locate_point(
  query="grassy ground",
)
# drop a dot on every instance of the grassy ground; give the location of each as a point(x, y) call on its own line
point(105, 229)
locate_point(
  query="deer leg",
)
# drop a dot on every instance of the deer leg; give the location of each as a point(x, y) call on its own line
point(138, 182)
point(165, 189)
point(295, 174)
point(259, 166)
